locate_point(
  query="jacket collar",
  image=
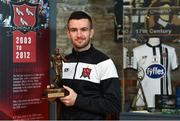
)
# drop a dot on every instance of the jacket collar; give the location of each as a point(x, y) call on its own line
point(83, 52)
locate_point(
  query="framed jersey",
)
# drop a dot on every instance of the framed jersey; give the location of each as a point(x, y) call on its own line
point(155, 64)
point(153, 69)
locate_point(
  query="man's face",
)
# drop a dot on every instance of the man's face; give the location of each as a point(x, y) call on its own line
point(80, 33)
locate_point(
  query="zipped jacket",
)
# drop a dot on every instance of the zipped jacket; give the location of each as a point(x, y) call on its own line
point(93, 76)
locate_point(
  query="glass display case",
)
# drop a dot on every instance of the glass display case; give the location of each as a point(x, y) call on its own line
point(151, 54)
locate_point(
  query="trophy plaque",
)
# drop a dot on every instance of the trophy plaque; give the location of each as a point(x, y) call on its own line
point(55, 89)
point(52, 94)
point(165, 101)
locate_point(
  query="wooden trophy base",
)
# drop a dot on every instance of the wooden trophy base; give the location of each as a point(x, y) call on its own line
point(53, 94)
point(139, 108)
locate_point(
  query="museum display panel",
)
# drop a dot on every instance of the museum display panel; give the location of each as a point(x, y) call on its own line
point(24, 65)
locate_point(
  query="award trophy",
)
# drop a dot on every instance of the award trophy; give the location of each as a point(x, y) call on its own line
point(55, 89)
point(140, 94)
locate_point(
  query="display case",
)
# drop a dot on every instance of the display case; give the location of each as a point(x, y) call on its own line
point(151, 54)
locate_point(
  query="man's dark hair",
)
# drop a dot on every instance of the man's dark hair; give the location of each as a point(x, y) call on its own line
point(80, 15)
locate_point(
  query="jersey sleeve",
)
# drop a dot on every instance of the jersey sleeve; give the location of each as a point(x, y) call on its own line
point(174, 60)
point(125, 58)
point(134, 60)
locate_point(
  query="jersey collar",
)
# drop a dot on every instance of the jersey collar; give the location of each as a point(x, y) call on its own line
point(153, 46)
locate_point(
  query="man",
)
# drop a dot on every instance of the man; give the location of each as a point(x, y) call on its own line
point(89, 76)
point(163, 21)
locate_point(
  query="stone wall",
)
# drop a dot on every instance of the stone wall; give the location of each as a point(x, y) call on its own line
point(102, 12)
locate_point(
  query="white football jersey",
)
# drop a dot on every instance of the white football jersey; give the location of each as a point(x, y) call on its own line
point(154, 64)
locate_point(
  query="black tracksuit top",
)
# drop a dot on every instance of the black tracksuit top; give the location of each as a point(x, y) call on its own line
point(93, 76)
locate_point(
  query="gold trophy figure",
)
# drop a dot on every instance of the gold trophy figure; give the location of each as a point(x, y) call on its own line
point(55, 89)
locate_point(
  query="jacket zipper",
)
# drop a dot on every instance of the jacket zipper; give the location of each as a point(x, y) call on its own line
point(76, 65)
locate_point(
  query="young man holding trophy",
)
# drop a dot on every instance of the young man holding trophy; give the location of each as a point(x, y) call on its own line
point(89, 76)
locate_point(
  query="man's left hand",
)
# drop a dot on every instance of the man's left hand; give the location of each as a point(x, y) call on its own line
point(71, 98)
